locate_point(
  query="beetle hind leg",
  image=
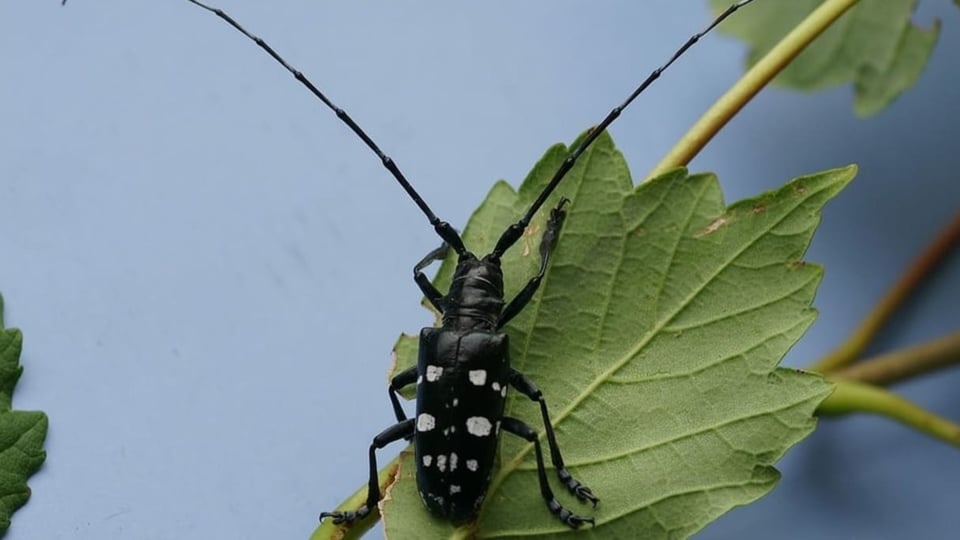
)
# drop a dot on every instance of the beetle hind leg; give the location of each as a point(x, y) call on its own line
point(524, 431)
point(391, 434)
point(528, 388)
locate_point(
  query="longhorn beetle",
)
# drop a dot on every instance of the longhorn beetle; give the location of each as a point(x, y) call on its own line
point(463, 370)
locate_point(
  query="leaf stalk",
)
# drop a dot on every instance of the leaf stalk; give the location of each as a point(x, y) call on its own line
point(856, 397)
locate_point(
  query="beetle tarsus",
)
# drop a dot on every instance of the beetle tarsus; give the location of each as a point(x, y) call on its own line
point(575, 487)
point(567, 517)
point(348, 516)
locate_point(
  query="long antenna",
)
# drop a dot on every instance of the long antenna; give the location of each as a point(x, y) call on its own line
point(443, 228)
point(512, 234)
point(446, 232)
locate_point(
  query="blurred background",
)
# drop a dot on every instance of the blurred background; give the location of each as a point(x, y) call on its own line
point(210, 270)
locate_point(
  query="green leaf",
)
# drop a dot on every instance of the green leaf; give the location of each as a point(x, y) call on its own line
point(21, 432)
point(655, 338)
point(875, 46)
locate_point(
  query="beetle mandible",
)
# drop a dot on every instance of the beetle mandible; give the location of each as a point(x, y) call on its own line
point(463, 370)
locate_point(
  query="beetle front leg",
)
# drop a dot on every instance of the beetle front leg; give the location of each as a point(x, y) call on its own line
point(433, 295)
point(391, 434)
point(528, 388)
point(512, 425)
point(547, 241)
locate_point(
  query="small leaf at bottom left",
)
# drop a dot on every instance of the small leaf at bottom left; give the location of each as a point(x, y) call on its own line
point(21, 432)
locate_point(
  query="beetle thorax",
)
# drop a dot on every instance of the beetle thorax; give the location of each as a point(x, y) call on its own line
point(475, 298)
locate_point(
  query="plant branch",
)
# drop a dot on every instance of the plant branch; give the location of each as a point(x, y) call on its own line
point(752, 82)
point(851, 396)
point(900, 365)
point(853, 347)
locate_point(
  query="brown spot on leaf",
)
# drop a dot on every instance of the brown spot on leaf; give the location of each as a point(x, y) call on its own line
point(527, 240)
point(714, 226)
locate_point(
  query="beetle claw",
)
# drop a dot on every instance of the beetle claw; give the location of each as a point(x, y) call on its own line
point(574, 486)
point(584, 494)
point(567, 517)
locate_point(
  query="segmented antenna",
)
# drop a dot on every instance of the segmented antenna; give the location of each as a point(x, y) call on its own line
point(443, 228)
point(512, 234)
point(449, 235)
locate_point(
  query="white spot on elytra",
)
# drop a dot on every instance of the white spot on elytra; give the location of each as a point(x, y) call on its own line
point(420, 379)
point(503, 391)
point(426, 422)
point(478, 376)
point(434, 373)
point(427, 460)
point(453, 461)
point(472, 465)
point(454, 489)
point(496, 386)
point(442, 463)
point(456, 402)
point(478, 426)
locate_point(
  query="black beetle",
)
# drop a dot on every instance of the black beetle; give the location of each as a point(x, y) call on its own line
point(463, 370)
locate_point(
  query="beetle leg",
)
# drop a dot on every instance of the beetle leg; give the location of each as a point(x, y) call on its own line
point(547, 241)
point(431, 292)
point(520, 429)
point(391, 434)
point(404, 378)
point(528, 388)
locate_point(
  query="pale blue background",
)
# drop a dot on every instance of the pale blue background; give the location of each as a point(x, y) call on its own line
point(210, 271)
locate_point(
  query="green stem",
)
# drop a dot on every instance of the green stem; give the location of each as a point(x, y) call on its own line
point(752, 82)
point(850, 397)
point(853, 347)
point(900, 365)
